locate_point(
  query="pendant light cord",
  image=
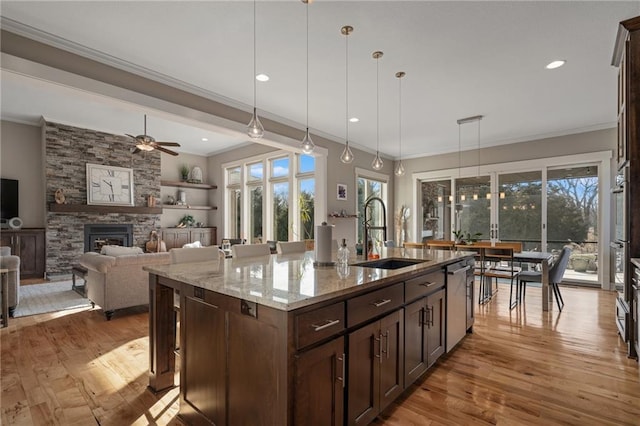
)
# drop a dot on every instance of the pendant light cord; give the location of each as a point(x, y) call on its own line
point(400, 115)
point(307, 9)
point(254, 55)
point(378, 105)
point(346, 80)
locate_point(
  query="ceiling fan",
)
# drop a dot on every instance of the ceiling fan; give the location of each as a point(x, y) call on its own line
point(145, 142)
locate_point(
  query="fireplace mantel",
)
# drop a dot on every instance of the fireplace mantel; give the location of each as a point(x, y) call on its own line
point(91, 208)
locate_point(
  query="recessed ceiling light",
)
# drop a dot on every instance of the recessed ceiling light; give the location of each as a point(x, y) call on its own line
point(262, 77)
point(354, 119)
point(204, 139)
point(555, 64)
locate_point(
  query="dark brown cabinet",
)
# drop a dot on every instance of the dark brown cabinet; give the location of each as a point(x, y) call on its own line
point(320, 384)
point(376, 367)
point(177, 237)
point(424, 334)
point(29, 245)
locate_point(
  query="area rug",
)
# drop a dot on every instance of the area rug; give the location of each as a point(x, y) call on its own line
point(49, 297)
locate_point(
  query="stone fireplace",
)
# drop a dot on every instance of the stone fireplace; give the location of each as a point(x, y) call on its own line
point(97, 235)
point(67, 152)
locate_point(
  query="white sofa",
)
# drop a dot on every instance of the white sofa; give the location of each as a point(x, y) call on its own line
point(116, 282)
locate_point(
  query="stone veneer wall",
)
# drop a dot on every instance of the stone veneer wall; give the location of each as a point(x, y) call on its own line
point(67, 152)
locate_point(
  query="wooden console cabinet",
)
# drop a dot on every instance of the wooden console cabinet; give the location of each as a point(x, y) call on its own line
point(177, 237)
point(29, 245)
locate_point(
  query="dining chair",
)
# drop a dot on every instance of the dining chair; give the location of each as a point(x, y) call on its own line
point(556, 271)
point(195, 254)
point(440, 244)
point(249, 250)
point(286, 247)
point(500, 264)
point(413, 245)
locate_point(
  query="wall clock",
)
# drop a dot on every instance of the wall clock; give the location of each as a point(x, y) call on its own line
point(109, 185)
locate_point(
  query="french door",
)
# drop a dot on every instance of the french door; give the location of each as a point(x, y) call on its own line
point(543, 206)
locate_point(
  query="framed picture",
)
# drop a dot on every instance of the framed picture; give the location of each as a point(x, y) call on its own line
point(109, 185)
point(342, 191)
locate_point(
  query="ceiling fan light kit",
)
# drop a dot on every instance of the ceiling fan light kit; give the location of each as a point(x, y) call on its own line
point(146, 143)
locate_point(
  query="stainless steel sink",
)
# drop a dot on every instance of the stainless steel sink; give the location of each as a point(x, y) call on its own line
point(390, 263)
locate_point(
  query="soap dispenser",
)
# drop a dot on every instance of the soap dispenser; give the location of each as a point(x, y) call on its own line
point(343, 253)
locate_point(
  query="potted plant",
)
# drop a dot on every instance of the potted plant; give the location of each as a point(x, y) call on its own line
point(186, 221)
point(466, 238)
point(184, 172)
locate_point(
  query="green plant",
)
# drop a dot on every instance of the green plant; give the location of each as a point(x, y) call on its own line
point(187, 220)
point(184, 171)
point(466, 237)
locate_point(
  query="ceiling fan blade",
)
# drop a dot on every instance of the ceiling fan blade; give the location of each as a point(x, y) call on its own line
point(131, 136)
point(166, 151)
point(136, 150)
point(167, 143)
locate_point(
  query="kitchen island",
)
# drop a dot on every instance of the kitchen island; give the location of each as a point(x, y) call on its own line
point(272, 340)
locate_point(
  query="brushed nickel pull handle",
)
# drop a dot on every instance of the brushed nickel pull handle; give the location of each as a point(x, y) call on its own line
point(387, 337)
point(344, 370)
point(381, 302)
point(327, 324)
point(380, 350)
point(428, 284)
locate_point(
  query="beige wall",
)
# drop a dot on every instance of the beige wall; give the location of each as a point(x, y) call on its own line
point(600, 140)
point(21, 158)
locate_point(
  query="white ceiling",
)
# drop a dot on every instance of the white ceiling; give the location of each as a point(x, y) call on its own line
point(461, 59)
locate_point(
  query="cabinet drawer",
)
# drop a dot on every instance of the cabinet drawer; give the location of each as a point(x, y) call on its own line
point(423, 285)
point(370, 305)
point(319, 324)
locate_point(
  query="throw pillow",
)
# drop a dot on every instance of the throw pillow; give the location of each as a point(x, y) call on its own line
point(119, 250)
point(194, 244)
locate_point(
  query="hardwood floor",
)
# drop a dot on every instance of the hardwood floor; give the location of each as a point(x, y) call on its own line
point(519, 367)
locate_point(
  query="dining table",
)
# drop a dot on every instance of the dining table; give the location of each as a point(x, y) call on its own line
point(544, 258)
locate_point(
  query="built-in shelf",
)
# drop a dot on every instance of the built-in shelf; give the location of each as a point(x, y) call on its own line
point(188, 207)
point(92, 208)
point(187, 184)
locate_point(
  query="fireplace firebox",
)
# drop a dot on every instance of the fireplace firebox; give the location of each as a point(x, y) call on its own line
point(98, 235)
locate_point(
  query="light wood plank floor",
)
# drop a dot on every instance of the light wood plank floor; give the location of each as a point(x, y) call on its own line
point(519, 367)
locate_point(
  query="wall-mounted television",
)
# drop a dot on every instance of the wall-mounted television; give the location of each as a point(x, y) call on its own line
point(8, 199)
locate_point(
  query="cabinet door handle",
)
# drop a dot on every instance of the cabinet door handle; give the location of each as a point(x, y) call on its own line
point(327, 324)
point(344, 370)
point(381, 302)
point(379, 340)
point(387, 339)
point(430, 320)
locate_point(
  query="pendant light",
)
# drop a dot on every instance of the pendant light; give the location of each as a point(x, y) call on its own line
point(377, 161)
point(347, 155)
point(307, 144)
point(255, 130)
point(400, 168)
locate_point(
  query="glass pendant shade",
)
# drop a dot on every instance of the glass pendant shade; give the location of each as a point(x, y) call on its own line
point(307, 144)
point(377, 162)
point(399, 169)
point(347, 155)
point(255, 130)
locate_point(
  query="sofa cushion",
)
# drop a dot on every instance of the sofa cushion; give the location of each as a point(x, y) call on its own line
point(195, 244)
point(119, 250)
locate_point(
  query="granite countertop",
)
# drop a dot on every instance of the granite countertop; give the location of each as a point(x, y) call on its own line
point(290, 281)
point(636, 261)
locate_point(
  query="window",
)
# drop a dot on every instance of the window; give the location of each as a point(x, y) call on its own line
point(290, 198)
point(370, 185)
point(234, 203)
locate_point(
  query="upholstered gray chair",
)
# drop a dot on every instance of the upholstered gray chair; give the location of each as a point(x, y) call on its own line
point(195, 254)
point(556, 271)
point(12, 264)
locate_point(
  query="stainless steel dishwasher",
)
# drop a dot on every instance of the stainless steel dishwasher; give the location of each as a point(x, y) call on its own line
point(456, 302)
